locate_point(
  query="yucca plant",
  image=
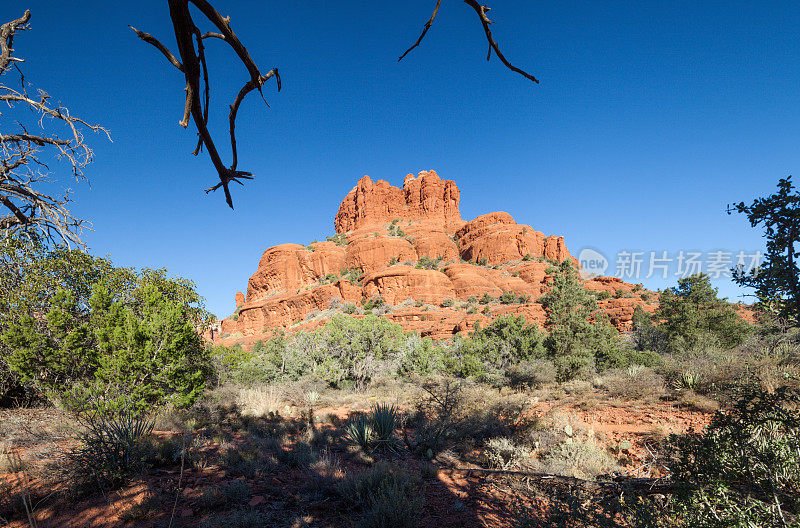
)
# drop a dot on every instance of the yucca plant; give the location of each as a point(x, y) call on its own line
point(688, 380)
point(384, 420)
point(634, 370)
point(376, 429)
point(360, 431)
point(112, 445)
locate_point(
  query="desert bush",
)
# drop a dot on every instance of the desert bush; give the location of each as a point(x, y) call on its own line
point(387, 496)
point(634, 383)
point(504, 453)
point(373, 302)
point(446, 303)
point(744, 470)
point(354, 350)
point(112, 444)
point(421, 356)
point(439, 415)
point(694, 318)
point(340, 239)
point(531, 373)
point(507, 297)
point(580, 458)
point(507, 340)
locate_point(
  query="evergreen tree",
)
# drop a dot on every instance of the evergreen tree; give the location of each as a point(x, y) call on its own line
point(693, 317)
point(581, 336)
point(777, 280)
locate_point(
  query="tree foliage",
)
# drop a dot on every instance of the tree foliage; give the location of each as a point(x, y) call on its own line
point(693, 317)
point(777, 280)
point(69, 319)
point(580, 333)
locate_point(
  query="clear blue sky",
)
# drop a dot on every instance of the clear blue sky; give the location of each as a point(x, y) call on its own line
point(650, 118)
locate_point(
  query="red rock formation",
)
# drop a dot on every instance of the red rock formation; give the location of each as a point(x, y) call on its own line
point(387, 231)
point(426, 197)
point(497, 238)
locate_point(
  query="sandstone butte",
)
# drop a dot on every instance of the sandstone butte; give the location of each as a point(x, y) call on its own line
point(382, 233)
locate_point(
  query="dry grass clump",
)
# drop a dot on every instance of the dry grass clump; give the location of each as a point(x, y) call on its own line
point(504, 453)
point(260, 401)
point(698, 402)
point(583, 458)
point(634, 383)
point(386, 496)
point(6, 463)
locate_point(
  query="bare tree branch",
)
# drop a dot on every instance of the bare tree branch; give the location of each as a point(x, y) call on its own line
point(192, 58)
point(424, 30)
point(7, 32)
point(23, 155)
point(481, 11)
point(150, 39)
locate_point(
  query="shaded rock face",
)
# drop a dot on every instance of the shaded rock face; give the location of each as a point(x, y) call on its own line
point(411, 247)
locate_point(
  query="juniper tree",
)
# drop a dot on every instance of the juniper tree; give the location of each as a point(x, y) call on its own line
point(777, 280)
point(580, 333)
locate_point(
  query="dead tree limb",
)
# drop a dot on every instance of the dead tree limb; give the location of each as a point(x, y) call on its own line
point(481, 11)
point(23, 155)
point(192, 63)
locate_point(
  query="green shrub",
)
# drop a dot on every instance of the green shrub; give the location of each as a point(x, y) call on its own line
point(428, 263)
point(422, 356)
point(483, 261)
point(507, 340)
point(744, 470)
point(486, 299)
point(374, 302)
point(508, 298)
point(602, 295)
point(446, 303)
point(527, 257)
point(340, 239)
point(349, 308)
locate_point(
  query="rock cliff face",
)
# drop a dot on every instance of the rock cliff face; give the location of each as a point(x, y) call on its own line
point(411, 248)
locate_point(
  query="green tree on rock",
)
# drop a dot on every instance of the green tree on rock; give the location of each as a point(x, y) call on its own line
point(581, 336)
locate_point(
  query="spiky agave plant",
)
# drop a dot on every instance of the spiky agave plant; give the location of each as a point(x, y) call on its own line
point(361, 432)
point(384, 420)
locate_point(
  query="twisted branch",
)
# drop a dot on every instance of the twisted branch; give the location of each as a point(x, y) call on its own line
point(192, 62)
point(481, 11)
